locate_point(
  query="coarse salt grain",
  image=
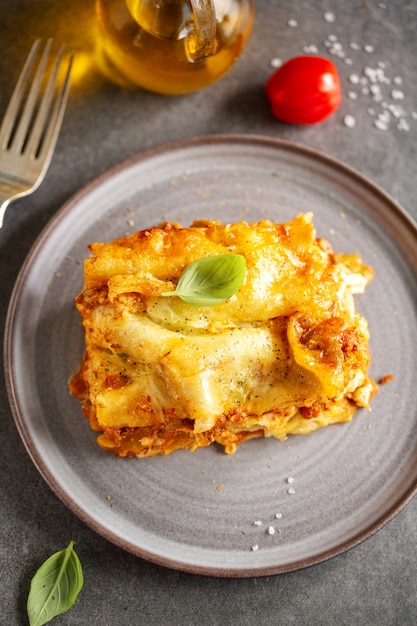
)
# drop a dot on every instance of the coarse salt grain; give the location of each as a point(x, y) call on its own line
point(278, 515)
point(257, 523)
point(403, 125)
point(349, 121)
point(310, 49)
point(276, 62)
point(369, 48)
point(354, 79)
point(352, 95)
point(371, 73)
point(290, 479)
point(291, 491)
point(293, 23)
point(335, 48)
point(397, 94)
point(271, 530)
point(380, 124)
point(329, 17)
point(376, 75)
point(255, 547)
point(396, 110)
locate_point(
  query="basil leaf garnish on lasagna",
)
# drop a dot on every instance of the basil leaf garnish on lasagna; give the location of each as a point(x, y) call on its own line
point(210, 280)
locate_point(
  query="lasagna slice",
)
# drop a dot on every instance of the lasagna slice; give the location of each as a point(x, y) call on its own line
point(286, 354)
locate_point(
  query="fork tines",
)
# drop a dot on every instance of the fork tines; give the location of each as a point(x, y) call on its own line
point(34, 114)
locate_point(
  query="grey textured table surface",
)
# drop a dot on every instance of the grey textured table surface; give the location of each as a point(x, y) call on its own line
point(374, 583)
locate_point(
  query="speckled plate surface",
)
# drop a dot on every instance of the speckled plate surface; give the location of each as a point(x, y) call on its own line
point(322, 493)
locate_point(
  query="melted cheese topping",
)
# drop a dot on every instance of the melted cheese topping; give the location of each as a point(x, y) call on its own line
point(287, 354)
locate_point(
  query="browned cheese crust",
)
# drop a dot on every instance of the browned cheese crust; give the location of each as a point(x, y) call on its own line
point(287, 354)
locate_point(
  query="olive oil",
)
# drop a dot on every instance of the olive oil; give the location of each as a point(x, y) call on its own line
point(148, 42)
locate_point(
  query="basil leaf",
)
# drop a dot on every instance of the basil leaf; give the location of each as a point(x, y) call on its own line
point(210, 280)
point(55, 586)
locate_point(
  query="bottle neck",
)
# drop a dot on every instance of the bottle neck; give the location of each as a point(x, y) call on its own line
point(166, 19)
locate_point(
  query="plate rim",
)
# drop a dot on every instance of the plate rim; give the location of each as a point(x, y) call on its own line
point(57, 489)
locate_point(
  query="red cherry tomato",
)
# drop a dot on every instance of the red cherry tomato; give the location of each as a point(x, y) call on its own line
point(304, 90)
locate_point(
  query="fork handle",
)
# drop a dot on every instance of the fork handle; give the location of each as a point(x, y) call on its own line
point(3, 206)
point(9, 192)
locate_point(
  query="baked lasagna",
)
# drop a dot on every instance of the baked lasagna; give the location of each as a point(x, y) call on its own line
point(286, 354)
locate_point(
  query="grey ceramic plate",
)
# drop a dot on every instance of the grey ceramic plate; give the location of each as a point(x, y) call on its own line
point(322, 493)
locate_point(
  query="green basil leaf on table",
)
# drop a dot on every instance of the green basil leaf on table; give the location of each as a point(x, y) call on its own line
point(55, 586)
point(210, 280)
